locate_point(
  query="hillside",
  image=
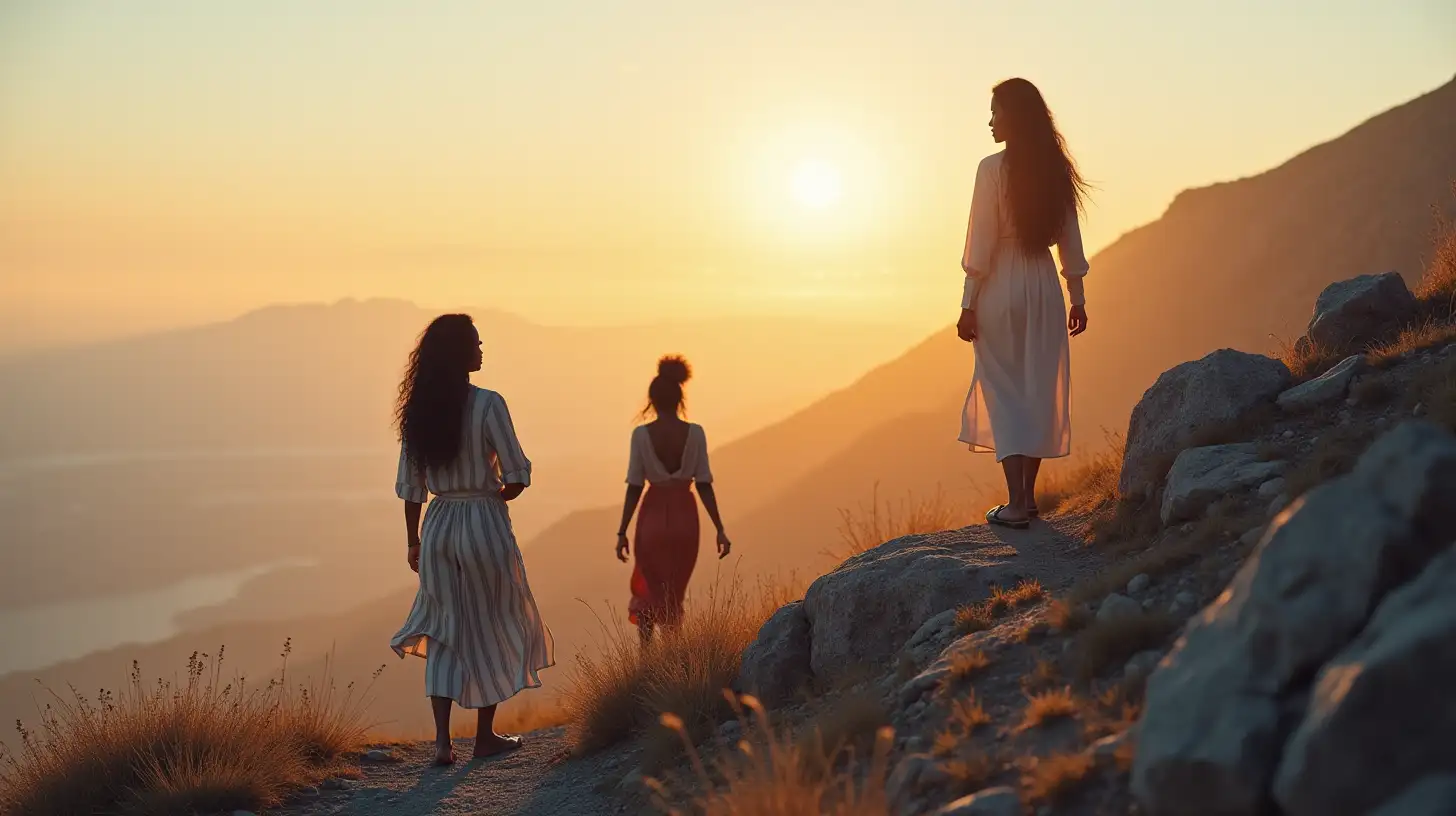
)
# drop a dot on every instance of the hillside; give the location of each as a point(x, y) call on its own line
point(1224, 266)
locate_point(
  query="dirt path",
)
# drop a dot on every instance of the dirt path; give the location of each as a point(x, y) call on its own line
point(537, 780)
point(540, 779)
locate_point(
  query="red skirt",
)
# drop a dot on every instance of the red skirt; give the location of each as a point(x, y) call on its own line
point(667, 550)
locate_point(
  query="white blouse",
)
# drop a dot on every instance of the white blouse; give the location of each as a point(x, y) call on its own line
point(643, 466)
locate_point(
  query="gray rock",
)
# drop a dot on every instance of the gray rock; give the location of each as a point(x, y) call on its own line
point(730, 731)
point(1211, 730)
point(1287, 435)
point(1186, 599)
point(1432, 796)
point(1138, 583)
point(1149, 603)
point(1002, 801)
point(334, 783)
point(1201, 476)
point(1251, 536)
point(1188, 398)
point(1345, 416)
point(379, 755)
point(631, 780)
point(1277, 506)
point(1272, 488)
point(775, 666)
point(924, 682)
point(931, 637)
point(1118, 607)
point(1326, 388)
point(1419, 410)
point(1141, 665)
point(915, 774)
point(1381, 716)
point(862, 614)
point(1357, 311)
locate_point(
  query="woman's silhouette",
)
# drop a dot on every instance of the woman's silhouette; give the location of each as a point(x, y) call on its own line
point(1026, 198)
point(669, 454)
point(474, 620)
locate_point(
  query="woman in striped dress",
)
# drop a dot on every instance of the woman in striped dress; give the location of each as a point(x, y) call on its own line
point(474, 620)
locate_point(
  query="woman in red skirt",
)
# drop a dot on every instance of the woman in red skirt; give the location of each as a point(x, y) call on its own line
point(668, 455)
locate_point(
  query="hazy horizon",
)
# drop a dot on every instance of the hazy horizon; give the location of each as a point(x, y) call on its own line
point(629, 164)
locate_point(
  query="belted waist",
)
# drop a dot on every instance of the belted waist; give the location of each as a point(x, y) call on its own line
point(675, 485)
point(467, 495)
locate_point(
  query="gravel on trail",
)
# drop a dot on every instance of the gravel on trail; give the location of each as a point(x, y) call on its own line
point(539, 779)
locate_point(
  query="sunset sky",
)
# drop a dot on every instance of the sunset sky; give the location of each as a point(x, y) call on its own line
point(591, 162)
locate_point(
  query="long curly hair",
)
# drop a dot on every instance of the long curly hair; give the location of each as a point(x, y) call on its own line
point(665, 395)
point(431, 407)
point(1042, 180)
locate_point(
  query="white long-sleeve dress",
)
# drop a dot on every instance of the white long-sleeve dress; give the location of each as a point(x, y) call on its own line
point(474, 619)
point(1020, 397)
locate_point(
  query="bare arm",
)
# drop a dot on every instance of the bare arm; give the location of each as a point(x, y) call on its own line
point(629, 506)
point(412, 532)
point(710, 503)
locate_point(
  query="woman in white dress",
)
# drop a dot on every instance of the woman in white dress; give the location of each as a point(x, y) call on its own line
point(1026, 198)
point(474, 620)
point(671, 455)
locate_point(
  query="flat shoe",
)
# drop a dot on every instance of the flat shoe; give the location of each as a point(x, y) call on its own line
point(512, 743)
point(993, 516)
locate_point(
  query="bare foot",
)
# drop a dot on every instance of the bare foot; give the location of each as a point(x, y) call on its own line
point(445, 755)
point(493, 744)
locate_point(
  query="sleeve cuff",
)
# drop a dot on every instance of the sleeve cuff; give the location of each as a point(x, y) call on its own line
point(1076, 292)
point(410, 493)
point(968, 295)
point(520, 477)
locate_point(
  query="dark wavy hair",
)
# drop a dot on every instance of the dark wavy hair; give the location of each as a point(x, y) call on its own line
point(431, 407)
point(1042, 182)
point(665, 395)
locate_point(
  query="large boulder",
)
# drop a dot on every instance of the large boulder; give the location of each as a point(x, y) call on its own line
point(1201, 476)
point(863, 612)
point(775, 666)
point(1383, 712)
point(1326, 388)
point(1194, 396)
point(1214, 717)
point(1351, 313)
point(1432, 796)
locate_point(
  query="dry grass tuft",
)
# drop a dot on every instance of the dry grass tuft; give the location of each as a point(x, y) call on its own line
point(1054, 778)
point(1434, 388)
point(777, 776)
point(970, 771)
point(966, 664)
point(1046, 675)
point(620, 691)
point(864, 529)
point(1373, 389)
point(1092, 485)
point(1437, 288)
point(1051, 705)
point(1066, 617)
point(973, 618)
point(967, 714)
point(981, 616)
point(199, 745)
point(1428, 333)
point(849, 724)
point(1110, 643)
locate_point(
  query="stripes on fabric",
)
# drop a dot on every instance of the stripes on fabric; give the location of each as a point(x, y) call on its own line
point(474, 619)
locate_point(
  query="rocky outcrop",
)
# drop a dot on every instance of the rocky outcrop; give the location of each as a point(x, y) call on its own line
point(775, 666)
point(863, 612)
point(989, 802)
point(1324, 389)
point(1352, 313)
point(1201, 476)
point(1194, 396)
point(1215, 717)
point(1432, 796)
point(1381, 717)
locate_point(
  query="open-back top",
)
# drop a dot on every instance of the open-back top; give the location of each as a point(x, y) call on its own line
point(644, 466)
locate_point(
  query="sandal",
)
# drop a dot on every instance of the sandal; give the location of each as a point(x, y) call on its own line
point(993, 516)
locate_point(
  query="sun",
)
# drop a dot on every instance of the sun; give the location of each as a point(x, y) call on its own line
point(815, 184)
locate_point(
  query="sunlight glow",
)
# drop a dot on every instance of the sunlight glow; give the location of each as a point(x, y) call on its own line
point(816, 184)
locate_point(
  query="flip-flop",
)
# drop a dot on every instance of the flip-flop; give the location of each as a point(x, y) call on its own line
point(993, 516)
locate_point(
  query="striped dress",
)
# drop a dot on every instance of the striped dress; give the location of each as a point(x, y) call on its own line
point(474, 620)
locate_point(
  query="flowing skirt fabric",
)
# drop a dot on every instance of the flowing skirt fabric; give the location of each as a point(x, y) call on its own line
point(667, 550)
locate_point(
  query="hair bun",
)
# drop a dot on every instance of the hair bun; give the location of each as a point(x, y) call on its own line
point(674, 368)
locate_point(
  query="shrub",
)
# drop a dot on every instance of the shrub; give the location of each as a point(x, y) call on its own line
point(621, 691)
point(1053, 778)
point(200, 745)
point(1049, 705)
point(774, 775)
